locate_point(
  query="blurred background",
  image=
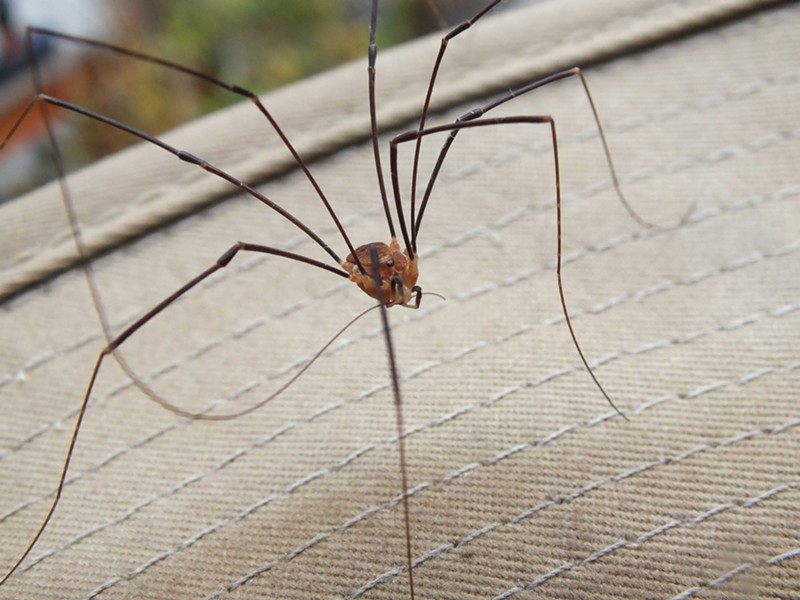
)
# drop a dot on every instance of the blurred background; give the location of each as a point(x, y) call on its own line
point(257, 44)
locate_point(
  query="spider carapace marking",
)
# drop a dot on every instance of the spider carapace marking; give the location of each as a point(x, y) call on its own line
point(398, 273)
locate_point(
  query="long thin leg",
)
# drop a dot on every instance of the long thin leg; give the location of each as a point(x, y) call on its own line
point(222, 262)
point(414, 134)
point(409, 241)
point(457, 30)
point(115, 341)
point(235, 89)
point(480, 111)
point(398, 406)
point(113, 345)
point(372, 53)
point(181, 154)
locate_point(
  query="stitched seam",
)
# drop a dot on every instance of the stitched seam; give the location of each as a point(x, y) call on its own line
point(639, 296)
point(683, 163)
point(596, 485)
point(758, 85)
point(654, 533)
point(742, 204)
point(587, 193)
point(743, 568)
point(745, 380)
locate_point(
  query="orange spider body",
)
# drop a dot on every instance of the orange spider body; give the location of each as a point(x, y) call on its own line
point(398, 273)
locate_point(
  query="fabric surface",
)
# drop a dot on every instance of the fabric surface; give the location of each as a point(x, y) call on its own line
point(525, 484)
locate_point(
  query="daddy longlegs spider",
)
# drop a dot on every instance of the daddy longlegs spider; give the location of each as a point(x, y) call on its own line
point(386, 272)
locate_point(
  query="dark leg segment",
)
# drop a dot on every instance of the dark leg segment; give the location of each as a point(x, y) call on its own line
point(398, 406)
point(115, 342)
point(235, 89)
point(453, 127)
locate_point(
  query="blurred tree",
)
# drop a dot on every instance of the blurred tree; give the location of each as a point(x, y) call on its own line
point(258, 44)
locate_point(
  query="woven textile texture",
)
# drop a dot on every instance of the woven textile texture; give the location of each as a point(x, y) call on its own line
point(524, 482)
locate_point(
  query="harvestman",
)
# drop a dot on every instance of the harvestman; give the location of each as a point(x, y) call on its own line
point(386, 272)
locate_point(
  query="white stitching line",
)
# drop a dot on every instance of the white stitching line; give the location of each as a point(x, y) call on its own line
point(743, 568)
point(154, 195)
point(757, 85)
point(747, 378)
point(686, 162)
point(741, 204)
point(622, 543)
point(775, 560)
point(744, 380)
point(736, 323)
point(635, 543)
point(691, 280)
point(569, 497)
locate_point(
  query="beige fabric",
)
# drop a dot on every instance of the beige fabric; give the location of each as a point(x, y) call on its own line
point(525, 483)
